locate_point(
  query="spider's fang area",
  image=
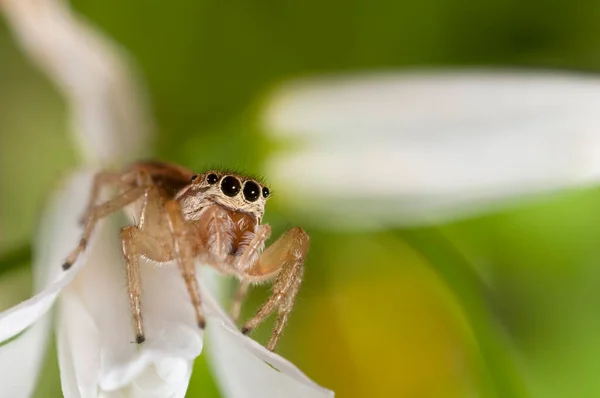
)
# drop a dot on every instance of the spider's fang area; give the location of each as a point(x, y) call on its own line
point(140, 338)
point(66, 265)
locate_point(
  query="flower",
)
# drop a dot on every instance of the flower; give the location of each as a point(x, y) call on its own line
point(414, 148)
point(93, 328)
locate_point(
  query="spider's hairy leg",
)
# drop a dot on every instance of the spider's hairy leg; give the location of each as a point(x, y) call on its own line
point(238, 299)
point(135, 242)
point(134, 285)
point(107, 179)
point(248, 258)
point(97, 213)
point(184, 253)
point(219, 245)
point(284, 259)
point(136, 183)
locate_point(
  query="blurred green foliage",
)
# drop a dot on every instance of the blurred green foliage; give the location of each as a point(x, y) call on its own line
point(498, 306)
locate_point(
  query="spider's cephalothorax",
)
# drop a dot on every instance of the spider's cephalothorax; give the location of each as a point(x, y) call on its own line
point(214, 216)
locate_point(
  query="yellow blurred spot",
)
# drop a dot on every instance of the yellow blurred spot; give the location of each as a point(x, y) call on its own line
point(393, 335)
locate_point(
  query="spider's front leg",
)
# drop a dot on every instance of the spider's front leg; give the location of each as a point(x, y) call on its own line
point(284, 260)
point(121, 180)
point(134, 242)
point(184, 254)
point(95, 212)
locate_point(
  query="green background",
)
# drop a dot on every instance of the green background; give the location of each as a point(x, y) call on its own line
point(504, 305)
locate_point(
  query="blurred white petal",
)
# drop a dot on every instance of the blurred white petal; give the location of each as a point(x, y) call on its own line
point(58, 235)
point(22, 358)
point(109, 120)
point(243, 367)
point(88, 368)
point(412, 148)
point(20, 317)
point(77, 340)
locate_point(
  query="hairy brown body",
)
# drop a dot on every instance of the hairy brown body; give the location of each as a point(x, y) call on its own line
point(214, 216)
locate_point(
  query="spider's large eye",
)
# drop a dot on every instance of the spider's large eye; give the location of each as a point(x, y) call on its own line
point(266, 192)
point(230, 186)
point(212, 179)
point(251, 191)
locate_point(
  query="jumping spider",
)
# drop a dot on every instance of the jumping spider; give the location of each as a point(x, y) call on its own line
point(215, 216)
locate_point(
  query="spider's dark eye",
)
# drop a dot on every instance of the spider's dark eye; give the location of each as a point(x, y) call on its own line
point(194, 177)
point(251, 191)
point(212, 179)
point(266, 192)
point(230, 186)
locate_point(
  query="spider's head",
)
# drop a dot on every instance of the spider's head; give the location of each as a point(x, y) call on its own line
point(233, 191)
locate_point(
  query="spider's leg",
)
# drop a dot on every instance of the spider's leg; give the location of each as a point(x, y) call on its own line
point(138, 240)
point(134, 286)
point(219, 245)
point(252, 250)
point(238, 299)
point(284, 259)
point(107, 179)
point(134, 242)
point(97, 213)
point(184, 253)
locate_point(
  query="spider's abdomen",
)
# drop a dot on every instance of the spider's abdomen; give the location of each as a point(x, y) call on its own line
point(167, 178)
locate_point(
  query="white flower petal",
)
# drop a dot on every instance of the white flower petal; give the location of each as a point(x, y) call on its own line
point(243, 367)
point(77, 349)
point(59, 234)
point(22, 357)
point(404, 148)
point(21, 360)
point(109, 121)
point(97, 326)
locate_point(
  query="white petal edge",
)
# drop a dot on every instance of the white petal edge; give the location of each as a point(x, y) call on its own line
point(21, 360)
point(422, 147)
point(243, 367)
point(95, 329)
point(22, 357)
point(52, 247)
point(108, 112)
